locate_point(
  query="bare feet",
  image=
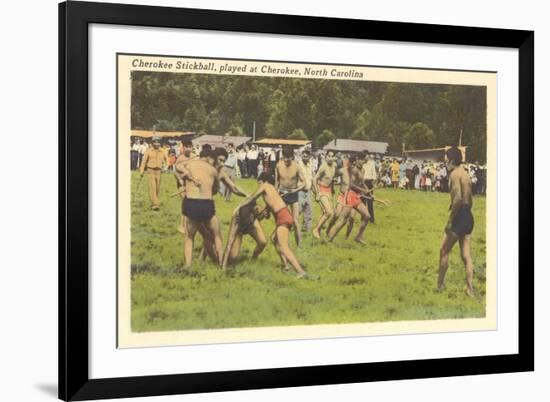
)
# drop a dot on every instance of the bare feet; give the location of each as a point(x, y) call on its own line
point(469, 292)
point(316, 234)
point(361, 241)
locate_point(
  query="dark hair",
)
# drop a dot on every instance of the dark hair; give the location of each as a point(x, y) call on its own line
point(207, 152)
point(306, 152)
point(266, 177)
point(230, 144)
point(330, 152)
point(352, 159)
point(207, 147)
point(454, 155)
point(220, 152)
point(187, 143)
point(288, 152)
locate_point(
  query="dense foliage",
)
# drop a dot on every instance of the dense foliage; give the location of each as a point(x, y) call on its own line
point(419, 115)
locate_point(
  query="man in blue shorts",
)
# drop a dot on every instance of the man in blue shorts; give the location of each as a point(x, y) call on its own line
point(461, 221)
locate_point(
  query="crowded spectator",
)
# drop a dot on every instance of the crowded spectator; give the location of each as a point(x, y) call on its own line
point(229, 167)
point(241, 161)
point(395, 169)
point(252, 161)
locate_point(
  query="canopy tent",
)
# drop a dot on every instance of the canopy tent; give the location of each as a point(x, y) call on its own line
point(219, 141)
point(161, 134)
point(273, 142)
point(345, 145)
point(432, 154)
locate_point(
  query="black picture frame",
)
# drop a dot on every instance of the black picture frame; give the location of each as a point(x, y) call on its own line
point(74, 381)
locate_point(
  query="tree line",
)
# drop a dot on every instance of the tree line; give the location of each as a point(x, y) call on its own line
point(419, 115)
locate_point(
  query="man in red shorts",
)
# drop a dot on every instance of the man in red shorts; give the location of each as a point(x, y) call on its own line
point(322, 186)
point(350, 200)
point(283, 221)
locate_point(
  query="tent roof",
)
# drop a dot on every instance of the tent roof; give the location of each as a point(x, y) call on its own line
point(220, 140)
point(432, 153)
point(282, 141)
point(162, 134)
point(462, 147)
point(345, 145)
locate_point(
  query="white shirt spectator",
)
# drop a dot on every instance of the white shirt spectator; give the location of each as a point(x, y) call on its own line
point(252, 154)
point(369, 170)
point(241, 155)
point(142, 148)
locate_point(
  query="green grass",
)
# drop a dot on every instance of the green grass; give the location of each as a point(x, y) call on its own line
point(391, 279)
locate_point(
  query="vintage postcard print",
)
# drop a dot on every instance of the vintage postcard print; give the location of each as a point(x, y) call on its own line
point(267, 200)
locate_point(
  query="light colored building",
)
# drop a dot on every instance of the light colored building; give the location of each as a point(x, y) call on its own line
point(432, 154)
point(220, 141)
point(266, 144)
point(345, 145)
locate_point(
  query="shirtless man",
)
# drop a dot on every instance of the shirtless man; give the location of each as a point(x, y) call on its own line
point(198, 205)
point(340, 210)
point(245, 220)
point(283, 220)
point(289, 181)
point(351, 200)
point(185, 156)
point(461, 221)
point(322, 187)
point(219, 156)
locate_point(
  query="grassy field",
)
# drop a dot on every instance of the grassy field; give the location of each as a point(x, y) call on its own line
point(392, 278)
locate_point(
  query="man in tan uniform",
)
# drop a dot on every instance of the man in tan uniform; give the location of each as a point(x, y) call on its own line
point(153, 162)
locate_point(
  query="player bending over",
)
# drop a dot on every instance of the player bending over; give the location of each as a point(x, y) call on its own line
point(245, 221)
point(283, 220)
